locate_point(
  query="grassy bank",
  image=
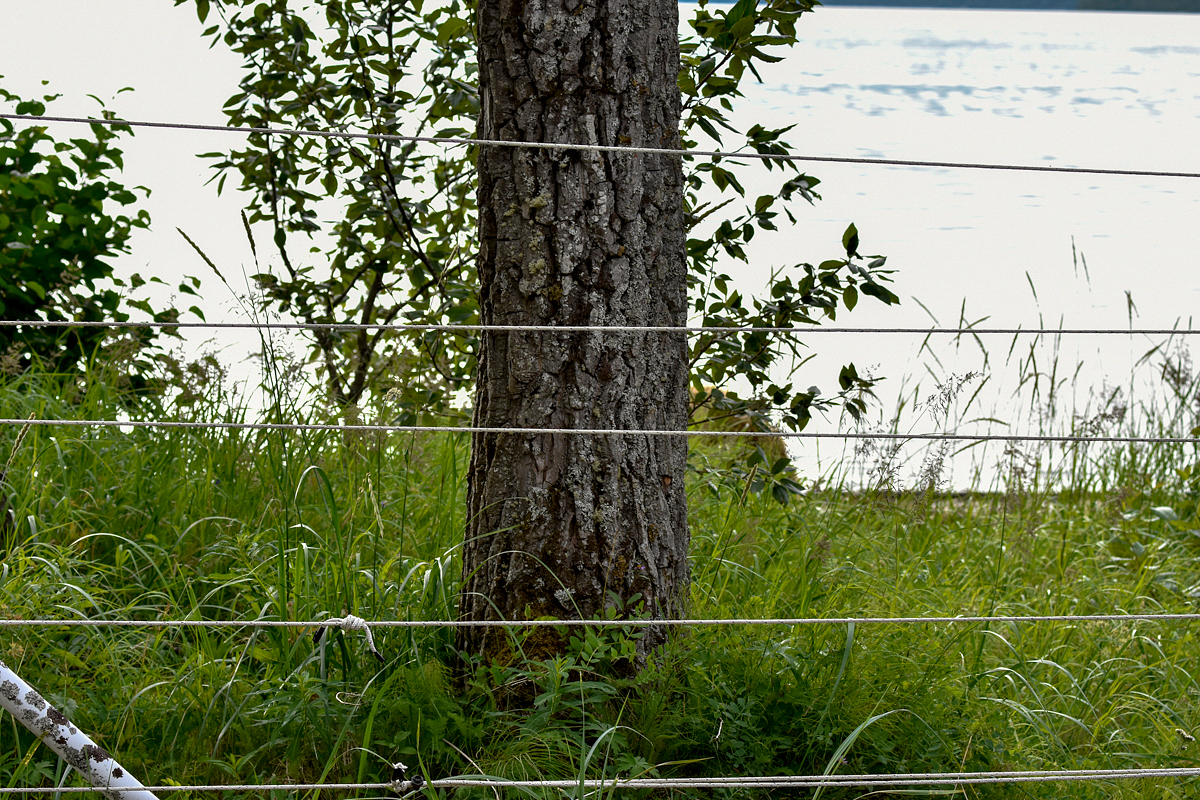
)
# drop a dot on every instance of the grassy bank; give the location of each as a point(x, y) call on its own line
point(204, 524)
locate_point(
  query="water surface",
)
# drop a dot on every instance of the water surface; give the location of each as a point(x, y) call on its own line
point(1085, 89)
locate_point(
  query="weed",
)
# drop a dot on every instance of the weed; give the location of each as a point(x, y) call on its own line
point(245, 525)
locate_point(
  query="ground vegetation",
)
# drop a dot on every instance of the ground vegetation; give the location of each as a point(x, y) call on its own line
point(230, 525)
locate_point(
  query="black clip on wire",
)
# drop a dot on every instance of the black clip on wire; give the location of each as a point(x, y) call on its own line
point(401, 785)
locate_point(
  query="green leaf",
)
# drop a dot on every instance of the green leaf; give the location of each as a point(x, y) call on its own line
point(875, 290)
point(848, 377)
point(850, 297)
point(742, 28)
point(687, 82)
point(262, 653)
point(740, 10)
point(850, 241)
point(759, 456)
point(32, 108)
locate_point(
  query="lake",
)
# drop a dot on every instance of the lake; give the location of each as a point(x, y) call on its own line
point(1063, 88)
point(1108, 90)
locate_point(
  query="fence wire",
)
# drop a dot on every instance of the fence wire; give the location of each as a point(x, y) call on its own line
point(862, 780)
point(630, 150)
point(597, 623)
point(463, 329)
point(869, 436)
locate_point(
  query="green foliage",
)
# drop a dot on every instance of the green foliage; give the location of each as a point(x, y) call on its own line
point(246, 525)
point(58, 236)
point(727, 42)
point(399, 246)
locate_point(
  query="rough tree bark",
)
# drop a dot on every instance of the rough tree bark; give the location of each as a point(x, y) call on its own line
point(568, 525)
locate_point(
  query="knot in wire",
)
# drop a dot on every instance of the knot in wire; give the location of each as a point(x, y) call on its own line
point(349, 623)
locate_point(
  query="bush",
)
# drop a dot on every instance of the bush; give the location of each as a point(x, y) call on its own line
point(58, 236)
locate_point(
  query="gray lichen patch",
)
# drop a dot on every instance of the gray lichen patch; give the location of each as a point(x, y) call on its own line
point(76, 758)
point(34, 699)
point(97, 753)
point(534, 277)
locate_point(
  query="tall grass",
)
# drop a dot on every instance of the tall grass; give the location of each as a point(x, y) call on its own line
point(244, 525)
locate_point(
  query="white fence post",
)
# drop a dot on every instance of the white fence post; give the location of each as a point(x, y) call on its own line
point(73, 745)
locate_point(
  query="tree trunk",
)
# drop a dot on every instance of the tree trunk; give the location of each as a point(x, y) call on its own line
point(567, 525)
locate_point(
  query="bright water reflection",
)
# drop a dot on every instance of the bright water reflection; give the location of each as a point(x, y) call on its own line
point(1026, 87)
